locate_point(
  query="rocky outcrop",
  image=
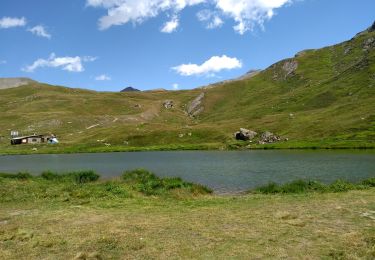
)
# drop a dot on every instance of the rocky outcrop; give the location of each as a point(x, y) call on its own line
point(195, 107)
point(369, 44)
point(290, 67)
point(269, 138)
point(245, 134)
point(14, 82)
point(284, 69)
point(168, 104)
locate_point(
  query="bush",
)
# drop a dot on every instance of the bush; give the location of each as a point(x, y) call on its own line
point(270, 188)
point(369, 182)
point(85, 176)
point(78, 177)
point(150, 184)
point(341, 186)
point(48, 175)
point(19, 176)
point(301, 186)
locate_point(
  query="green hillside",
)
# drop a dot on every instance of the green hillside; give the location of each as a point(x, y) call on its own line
point(320, 98)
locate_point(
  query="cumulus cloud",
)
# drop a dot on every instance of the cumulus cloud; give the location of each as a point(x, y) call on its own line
point(40, 31)
point(136, 11)
point(9, 22)
point(72, 64)
point(245, 13)
point(175, 86)
point(171, 25)
point(209, 67)
point(102, 77)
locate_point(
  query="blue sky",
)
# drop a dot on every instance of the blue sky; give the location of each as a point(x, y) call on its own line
point(107, 45)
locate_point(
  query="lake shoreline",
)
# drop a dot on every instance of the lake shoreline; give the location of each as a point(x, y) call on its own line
point(62, 149)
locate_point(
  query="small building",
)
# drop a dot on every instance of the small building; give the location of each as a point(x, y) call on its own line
point(32, 139)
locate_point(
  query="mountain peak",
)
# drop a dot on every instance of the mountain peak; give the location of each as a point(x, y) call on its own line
point(129, 89)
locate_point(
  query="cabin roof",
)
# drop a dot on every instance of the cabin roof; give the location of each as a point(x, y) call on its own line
point(27, 136)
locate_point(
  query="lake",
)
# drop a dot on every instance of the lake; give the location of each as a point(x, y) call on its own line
point(223, 171)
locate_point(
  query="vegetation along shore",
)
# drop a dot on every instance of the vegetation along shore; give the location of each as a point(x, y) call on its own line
point(138, 215)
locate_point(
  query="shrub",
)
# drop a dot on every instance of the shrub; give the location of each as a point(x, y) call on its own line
point(48, 175)
point(149, 184)
point(301, 186)
point(78, 177)
point(270, 188)
point(369, 182)
point(19, 176)
point(84, 176)
point(341, 186)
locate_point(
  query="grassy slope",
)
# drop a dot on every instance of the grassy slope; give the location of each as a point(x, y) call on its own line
point(327, 102)
point(38, 221)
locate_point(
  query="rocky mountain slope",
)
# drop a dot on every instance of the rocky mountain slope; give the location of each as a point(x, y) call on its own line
point(14, 82)
point(319, 98)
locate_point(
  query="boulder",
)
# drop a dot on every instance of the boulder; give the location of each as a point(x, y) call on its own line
point(268, 138)
point(168, 104)
point(245, 134)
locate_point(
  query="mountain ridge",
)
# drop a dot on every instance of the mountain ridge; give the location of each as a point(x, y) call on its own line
point(318, 98)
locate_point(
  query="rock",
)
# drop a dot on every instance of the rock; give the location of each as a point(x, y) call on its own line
point(137, 106)
point(195, 107)
point(368, 44)
point(34, 149)
point(181, 135)
point(268, 138)
point(347, 50)
point(290, 67)
point(168, 104)
point(245, 134)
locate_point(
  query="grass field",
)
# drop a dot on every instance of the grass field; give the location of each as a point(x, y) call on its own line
point(46, 218)
point(327, 101)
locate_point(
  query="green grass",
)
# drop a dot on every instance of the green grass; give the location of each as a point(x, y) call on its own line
point(111, 219)
point(302, 186)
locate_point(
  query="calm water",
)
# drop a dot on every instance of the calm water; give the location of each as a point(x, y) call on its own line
point(224, 171)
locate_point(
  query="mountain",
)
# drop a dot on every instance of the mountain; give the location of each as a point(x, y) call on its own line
point(14, 82)
point(129, 89)
point(319, 98)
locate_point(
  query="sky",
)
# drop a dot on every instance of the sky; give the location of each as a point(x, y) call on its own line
point(107, 45)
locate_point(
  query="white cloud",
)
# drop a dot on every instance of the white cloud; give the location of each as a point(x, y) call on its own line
point(246, 13)
point(209, 67)
point(39, 30)
point(175, 86)
point(8, 22)
point(171, 25)
point(212, 19)
point(73, 64)
point(102, 77)
point(136, 11)
point(3, 62)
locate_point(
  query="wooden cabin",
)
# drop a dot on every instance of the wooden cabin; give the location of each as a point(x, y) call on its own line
point(30, 139)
